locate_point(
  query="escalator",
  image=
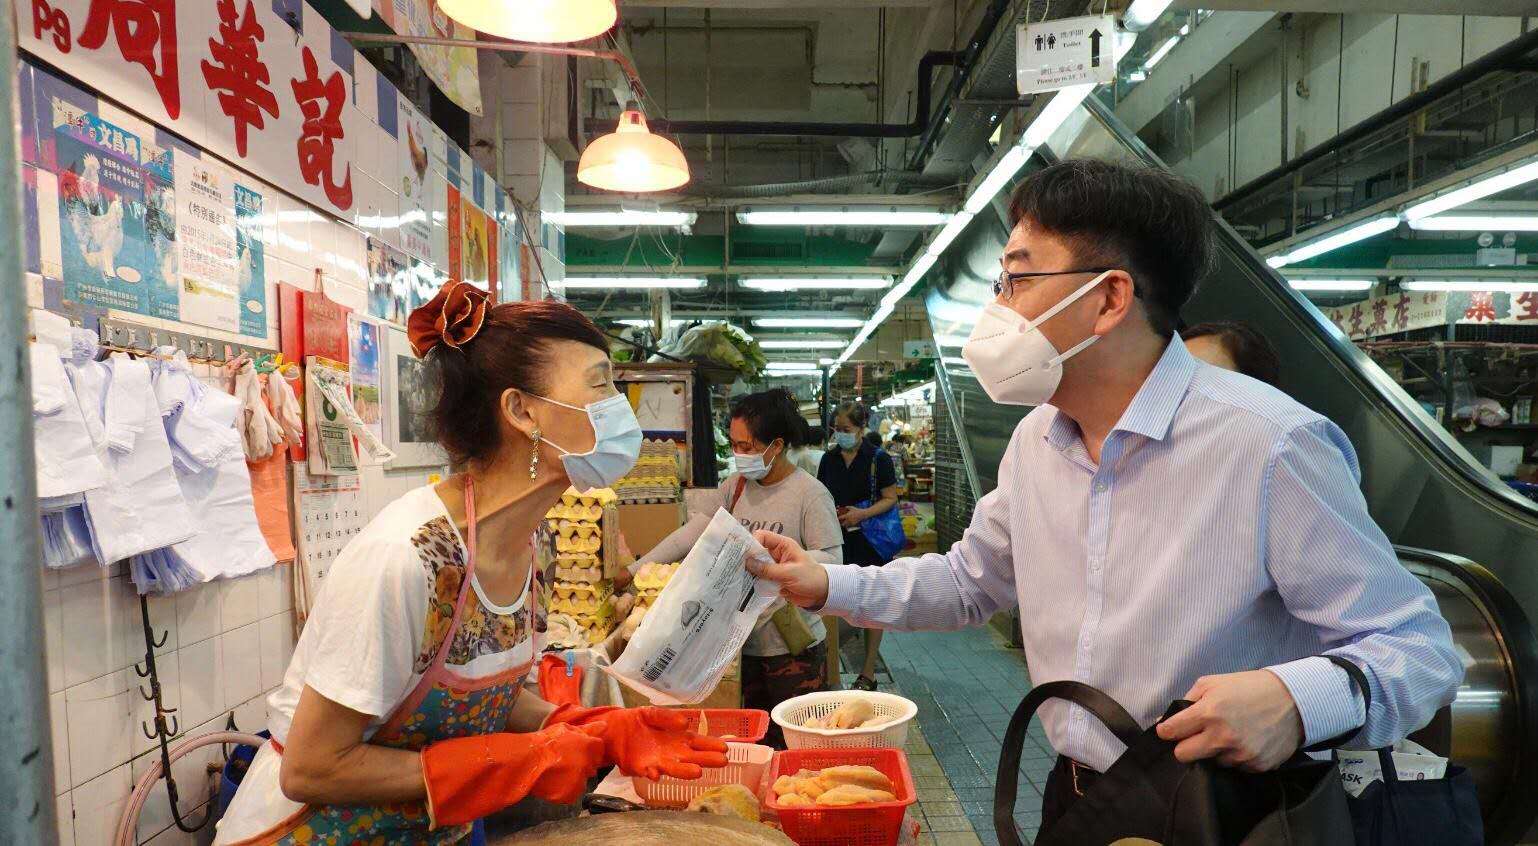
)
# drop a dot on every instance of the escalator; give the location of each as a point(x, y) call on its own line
point(1421, 486)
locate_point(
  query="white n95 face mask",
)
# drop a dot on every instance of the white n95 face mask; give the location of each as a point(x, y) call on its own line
point(616, 443)
point(1013, 361)
point(752, 465)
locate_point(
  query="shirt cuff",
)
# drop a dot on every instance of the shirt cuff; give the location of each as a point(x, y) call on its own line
point(1325, 697)
point(843, 590)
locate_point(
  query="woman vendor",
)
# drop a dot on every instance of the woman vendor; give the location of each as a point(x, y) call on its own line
point(400, 718)
point(785, 654)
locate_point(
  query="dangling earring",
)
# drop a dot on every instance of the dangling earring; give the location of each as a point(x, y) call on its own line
point(534, 456)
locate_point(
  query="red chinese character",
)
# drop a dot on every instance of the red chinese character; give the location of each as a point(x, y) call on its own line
point(1356, 319)
point(1402, 312)
point(322, 129)
point(146, 35)
point(1529, 306)
point(1379, 317)
point(237, 71)
point(1481, 308)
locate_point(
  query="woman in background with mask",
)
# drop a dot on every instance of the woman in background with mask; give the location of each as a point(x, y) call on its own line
point(856, 472)
point(401, 718)
point(785, 654)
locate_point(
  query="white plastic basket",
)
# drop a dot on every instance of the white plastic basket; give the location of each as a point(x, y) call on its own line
point(746, 764)
point(792, 713)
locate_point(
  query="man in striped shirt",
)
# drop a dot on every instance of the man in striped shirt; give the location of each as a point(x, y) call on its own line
point(1168, 529)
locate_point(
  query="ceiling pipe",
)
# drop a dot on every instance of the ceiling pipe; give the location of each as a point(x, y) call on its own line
point(1506, 57)
point(504, 46)
point(967, 62)
point(920, 124)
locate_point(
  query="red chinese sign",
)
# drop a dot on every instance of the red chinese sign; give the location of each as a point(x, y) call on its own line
point(1525, 306)
point(1379, 317)
point(321, 102)
point(144, 32)
point(1481, 308)
point(237, 72)
point(1402, 312)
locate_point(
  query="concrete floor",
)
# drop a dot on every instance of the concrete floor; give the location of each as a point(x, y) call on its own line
point(966, 685)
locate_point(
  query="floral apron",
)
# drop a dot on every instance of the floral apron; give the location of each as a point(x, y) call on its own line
point(443, 705)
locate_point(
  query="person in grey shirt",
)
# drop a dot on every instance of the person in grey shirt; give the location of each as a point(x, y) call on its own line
point(785, 654)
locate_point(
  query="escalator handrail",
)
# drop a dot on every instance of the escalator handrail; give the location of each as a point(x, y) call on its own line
point(1437, 441)
point(1519, 643)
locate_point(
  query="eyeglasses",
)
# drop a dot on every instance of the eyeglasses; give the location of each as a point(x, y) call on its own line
point(1004, 285)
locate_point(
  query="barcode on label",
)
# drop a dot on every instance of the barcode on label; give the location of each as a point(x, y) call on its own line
point(654, 669)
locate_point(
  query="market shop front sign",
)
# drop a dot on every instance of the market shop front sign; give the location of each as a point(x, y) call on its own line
point(229, 75)
point(1401, 312)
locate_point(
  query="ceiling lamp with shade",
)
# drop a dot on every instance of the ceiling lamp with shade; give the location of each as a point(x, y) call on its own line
point(543, 21)
point(632, 160)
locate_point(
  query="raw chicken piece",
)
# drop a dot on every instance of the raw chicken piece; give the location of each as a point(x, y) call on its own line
point(853, 794)
point(727, 800)
point(851, 714)
point(858, 775)
point(794, 800)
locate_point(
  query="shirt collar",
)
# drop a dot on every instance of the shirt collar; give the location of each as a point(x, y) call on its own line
point(1153, 408)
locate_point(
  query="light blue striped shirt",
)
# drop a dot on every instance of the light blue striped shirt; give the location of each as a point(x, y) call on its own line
point(1223, 530)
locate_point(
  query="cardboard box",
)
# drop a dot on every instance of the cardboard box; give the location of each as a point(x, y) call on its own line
point(645, 526)
point(728, 693)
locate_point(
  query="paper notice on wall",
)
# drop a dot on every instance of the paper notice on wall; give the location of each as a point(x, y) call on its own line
point(327, 434)
point(330, 515)
point(210, 277)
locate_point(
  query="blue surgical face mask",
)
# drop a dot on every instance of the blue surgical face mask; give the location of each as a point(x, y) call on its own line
point(752, 465)
point(846, 440)
point(616, 444)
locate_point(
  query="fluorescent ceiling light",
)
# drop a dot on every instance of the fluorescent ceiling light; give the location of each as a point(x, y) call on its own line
point(1008, 165)
point(842, 217)
point(673, 219)
point(1142, 13)
point(1158, 55)
point(840, 283)
point(800, 345)
point(948, 234)
point(1500, 286)
point(808, 322)
point(826, 362)
point(1137, 75)
point(601, 282)
point(1185, 29)
point(792, 367)
point(1278, 260)
point(1477, 190)
point(1308, 284)
point(1348, 235)
point(1054, 114)
point(1477, 223)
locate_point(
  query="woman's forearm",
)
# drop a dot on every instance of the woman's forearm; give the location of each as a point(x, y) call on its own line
point(529, 713)
point(363, 774)
point(881, 506)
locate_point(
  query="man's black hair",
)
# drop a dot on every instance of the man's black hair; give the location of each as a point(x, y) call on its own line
point(770, 415)
point(1149, 222)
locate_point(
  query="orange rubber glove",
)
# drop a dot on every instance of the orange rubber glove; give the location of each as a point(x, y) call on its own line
point(471, 777)
point(647, 742)
point(555, 686)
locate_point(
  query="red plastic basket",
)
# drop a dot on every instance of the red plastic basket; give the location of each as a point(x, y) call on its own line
point(876, 824)
point(746, 725)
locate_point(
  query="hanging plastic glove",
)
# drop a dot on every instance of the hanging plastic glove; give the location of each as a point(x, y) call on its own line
point(471, 777)
point(560, 684)
point(648, 742)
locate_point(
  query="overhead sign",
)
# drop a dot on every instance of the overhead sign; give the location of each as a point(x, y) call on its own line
point(1072, 51)
point(918, 349)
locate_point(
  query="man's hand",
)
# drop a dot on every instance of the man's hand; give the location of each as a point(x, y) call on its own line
point(851, 517)
point(802, 581)
point(1245, 720)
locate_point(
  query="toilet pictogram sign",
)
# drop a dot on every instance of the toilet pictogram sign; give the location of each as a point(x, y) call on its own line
point(1072, 51)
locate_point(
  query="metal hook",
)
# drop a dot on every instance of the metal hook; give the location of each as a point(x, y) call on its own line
point(143, 673)
point(175, 727)
point(145, 727)
point(161, 641)
point(148, 697)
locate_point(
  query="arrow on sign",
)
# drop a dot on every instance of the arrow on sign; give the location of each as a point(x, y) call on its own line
point(1094, 49)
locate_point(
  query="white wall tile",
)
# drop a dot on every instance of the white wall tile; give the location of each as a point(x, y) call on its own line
point(155, 816)
point(80, 574)
point(242, 671)
point(197, 613)
point(98, 717)
point(251, 715)
point(176, 837)
point(58, 720)
point(163, 617)
point(277, 634)
point(202, 681)
point(276, 589)
point(92, 631)
point(98, 805)
point(65, 811)
point(241, 602)
point(168, 670)
point(53, 639)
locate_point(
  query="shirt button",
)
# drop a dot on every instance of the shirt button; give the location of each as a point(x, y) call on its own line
point(1100, 487)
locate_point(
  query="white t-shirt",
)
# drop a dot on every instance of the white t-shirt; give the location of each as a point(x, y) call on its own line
point(365, 645)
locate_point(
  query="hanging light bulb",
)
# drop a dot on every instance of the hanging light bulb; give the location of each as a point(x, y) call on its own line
point(535, 20)
point(632, 160)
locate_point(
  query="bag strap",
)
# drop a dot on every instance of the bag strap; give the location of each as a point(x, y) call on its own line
point(1359, 679)
point(1103, 707)
point(742, 484)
